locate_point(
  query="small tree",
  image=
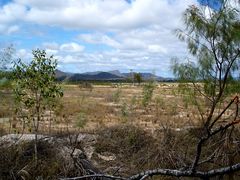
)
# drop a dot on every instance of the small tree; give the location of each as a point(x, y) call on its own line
point(213, 38)
point(138, 78)
point(147, 93)
point(35, 87)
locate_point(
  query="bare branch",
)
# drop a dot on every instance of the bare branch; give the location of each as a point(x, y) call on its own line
point(188, 173)
point(144, 177)
point(95, 176)
point(235, 99)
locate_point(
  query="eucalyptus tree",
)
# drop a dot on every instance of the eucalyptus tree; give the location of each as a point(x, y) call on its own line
point(36, 88)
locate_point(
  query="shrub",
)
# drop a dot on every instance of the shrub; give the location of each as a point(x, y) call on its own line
point(81, 120)
point(148, 89)
point(86, 85)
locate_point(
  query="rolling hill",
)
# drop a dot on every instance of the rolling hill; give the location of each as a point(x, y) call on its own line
point(105, 76)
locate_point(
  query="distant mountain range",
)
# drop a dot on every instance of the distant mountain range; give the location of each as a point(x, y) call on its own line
point(105, 76)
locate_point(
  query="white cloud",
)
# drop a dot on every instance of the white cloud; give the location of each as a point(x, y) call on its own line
point(51, 45)
point(9, 15)
point(55, 48)
point(51, 52)
point(23, 54)
point(99, 38)
point(96, 14)
point(8, 29)
point(71, 47)
point(12, 12)
point(138, 34)
point(157, 49)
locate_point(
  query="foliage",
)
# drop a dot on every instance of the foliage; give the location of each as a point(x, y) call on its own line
point(86, 85)
point(35, 87)
point(138, 78)
point(124, 110)
point(81, 120)
point(147, 93)
point(213, 39)
point(116, 95)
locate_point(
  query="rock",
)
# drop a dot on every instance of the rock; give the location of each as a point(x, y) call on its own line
point(106, 156)
point(18, 138)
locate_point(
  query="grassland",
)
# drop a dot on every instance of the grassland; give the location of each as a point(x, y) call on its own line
point(130, 137)
point(108, 105)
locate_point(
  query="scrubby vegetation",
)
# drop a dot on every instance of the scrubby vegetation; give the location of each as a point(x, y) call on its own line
point(187, 129)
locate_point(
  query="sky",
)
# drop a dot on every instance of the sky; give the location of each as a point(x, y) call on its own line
point(97, 35)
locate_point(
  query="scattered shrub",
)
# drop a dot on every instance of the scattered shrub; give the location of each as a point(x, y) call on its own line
point(116, 95)
point(148, 89)
point(86, 85)
point(81, 120)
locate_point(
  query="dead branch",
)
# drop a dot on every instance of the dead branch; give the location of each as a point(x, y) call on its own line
point(167, 172)
point(235, 99)
point(95, 176)
point(188, 173)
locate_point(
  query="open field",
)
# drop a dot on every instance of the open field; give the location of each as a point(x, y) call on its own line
point(118, 133)
point(107, 105)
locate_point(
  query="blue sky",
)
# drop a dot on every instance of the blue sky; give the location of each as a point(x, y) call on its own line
point(93, 35)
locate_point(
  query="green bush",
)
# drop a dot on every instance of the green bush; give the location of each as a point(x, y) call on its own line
point(147, 93)
point(81, 120)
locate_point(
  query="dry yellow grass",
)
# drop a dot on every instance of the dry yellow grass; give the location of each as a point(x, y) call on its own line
point(108, 105)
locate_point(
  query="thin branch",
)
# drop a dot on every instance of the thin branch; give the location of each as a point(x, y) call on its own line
point(210, 158)
point(188, 173)
point(204, 139)
point(144, 177)
point(95, 176)
point(235, 99)
point(223, 128)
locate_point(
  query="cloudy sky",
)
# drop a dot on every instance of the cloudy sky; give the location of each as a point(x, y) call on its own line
point(91, 35)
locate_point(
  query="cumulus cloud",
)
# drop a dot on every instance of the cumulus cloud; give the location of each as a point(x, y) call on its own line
point(137, 34)
point(157, 49)
point(8, 29)
point(9, 15)
point(99, 38)
point(23, 54)
point(95, 14)
point(71, 47)
point(51, 45)
point(55, 48)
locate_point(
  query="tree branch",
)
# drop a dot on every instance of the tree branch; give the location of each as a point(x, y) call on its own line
point(188, 173)
point(95, 176)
